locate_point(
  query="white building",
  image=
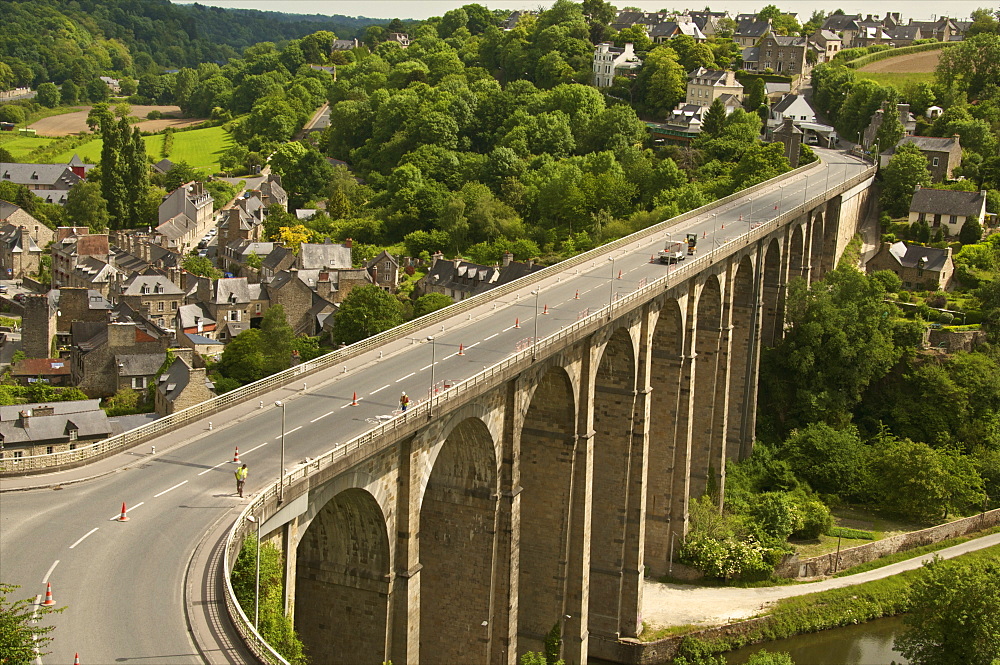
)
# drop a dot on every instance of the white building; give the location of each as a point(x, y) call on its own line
point(608, 59)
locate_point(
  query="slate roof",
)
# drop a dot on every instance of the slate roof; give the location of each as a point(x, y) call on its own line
point(327, 255)
point(202, 340)
point(56, 176)
point(231, 290)
point(931, 143)
point(7, 209)
point(234, 328)
point(752, 54)
point(139, 364)
point(910, 32)
point(274, 259)
point(838, 22)
point(828, 35)
point(190, 315)
point(154, 284)
point(173, 381)
point(12, 237)
point(163, 165)
point(788, 40)
point(910, 256)
point(752, 28)
point(947, 202)
point(85, 416)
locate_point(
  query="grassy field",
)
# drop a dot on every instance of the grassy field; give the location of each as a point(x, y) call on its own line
point(200, 148)
point(898, 80)
point(20, 146)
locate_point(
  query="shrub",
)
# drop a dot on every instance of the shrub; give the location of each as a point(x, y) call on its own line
point(814, 519)
point(154, 115)
point(845, 532)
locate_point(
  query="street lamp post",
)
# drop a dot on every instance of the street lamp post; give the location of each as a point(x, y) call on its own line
point(430, 405)
point(281, 469)
point(805, 191)
point(534, 340)
point(256, 583)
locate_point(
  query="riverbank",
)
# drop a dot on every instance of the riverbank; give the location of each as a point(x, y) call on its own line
point(775, 612)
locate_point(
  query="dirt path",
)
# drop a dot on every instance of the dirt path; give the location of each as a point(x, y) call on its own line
point(679, 604)
point(924, 61)
point(73, 123)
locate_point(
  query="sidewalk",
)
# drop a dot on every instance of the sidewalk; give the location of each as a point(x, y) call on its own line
point(678, 604)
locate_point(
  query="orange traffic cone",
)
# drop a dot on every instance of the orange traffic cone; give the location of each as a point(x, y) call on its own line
point(619, 274)
point(48, 602)
point(354, 400)
point(124, 516)
point(577, 296)
point(236, 456)
point(652, 258)
point(723, 226)
point(741, 218)
point(517, 323)
point(545, 310)
point(461, 349)
point(775, 206)
point(704, 234)
point(76, 659)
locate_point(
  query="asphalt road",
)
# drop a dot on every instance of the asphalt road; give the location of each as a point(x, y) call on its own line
point(122, 582)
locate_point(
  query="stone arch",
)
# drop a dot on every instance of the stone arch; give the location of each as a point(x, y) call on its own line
point(545, 468)
point(613, 404)
point(772, 310)
point(830, 230)
point(457, 526)
point(342, 581)
point(708, 335)
point(796, 252)
point(666, 495)
point(816, 248)
point(743, 337)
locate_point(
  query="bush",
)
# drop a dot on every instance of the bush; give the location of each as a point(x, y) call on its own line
point(727, 559)
point(154, 115)
point(814, 520)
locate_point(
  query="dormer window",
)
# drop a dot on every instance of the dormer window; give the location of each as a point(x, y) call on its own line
point(145, 289)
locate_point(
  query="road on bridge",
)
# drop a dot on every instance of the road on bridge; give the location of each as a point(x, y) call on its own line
point(123, 583)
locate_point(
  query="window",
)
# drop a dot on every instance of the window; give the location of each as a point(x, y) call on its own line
point(953, 219)
point(159, 306)
point(922, 217)
point(18, 454)
point(138, 383)
point(72, 446)
point(145, 289)
point(234, 315)
point(920, 272)
point(173, 304)
point(49, 450)
point(934, 162)
point(258, 307)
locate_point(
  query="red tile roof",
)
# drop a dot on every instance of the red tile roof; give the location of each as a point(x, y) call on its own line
point(41, 367)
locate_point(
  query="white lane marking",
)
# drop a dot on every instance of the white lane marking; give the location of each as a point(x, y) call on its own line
point(378, 389)
point(83, 537)
point(506, 329)
point(56, 563)
point(128, 509)
point(405, 377)
point(170, 488)
point(34, 637)
point(490, 337)
point(351, 403)
point(253, 449)
point(321, 417)
point(433, 363)
point(214, 467)
point(472, 345)
point(293, 430)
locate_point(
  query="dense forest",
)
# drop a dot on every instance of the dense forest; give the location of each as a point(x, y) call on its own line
point(52, 41)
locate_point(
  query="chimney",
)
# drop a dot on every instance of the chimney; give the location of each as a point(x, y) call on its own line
point(457, 261)
point(507, 258)
point(348, 243)
point(185, 353)
point(45, 410)
point(436, 257)
point(24, 418)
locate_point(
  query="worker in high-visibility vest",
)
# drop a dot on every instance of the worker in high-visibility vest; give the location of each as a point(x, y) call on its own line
point(404, 402)
point(241, 477)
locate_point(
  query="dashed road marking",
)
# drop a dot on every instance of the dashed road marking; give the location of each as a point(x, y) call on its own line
point(82, 539)
point(490, 337)
point(405, 377)
point(56, 563)
point(170, 488)
point(378, 389)
point(323, 416)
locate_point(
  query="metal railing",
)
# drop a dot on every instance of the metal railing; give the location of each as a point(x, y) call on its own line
point(126, 440)
point(388, 432)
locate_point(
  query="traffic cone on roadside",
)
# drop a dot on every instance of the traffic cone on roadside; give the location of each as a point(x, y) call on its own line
point(124, 516)
point(48, 602)
point(577, 296)
point(652, 257)
point(723, 226)
point(76, 659)
point(236, 456)
point(545, 310)
point(619, 274)
point(354, 400)
point(741, 218)
point(461, 349)
point(517, 323)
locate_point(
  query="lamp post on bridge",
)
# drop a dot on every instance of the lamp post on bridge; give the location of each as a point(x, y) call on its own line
point(256, 583)
point(611, 291)
point(281, 468)
point(534, 340)
point(430, 403)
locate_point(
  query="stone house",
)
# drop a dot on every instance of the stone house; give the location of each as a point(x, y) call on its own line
point(23, 240)
point(827, 45)
point(185, 217)
point(49, 182)
point(920, 268)
point(905, 35)
point(460, 279)
point(706, 85)
point(280, 258)
point(400, 38)
point(943, 29)
point(384, 270)
point(231, 302)
point(152, 294)
point(181, 385)
point(305, 295)
point(235, 258)
point(80, 258)
point(38, 329)
point(667, 30)
point(238, 224)
point(52, 371)
point(778, 53)
point(45, 428)
point(791, 137)
point(906, 119)
point(609, 60)
point(792, 106)
point(942, 206)
point(749, 31)
point(108, 356)
point(943, 154)
point(195, 319)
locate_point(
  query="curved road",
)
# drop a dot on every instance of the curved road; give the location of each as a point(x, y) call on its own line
point(123, 582)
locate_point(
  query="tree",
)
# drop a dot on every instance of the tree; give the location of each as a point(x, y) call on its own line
point(430, 302)
point(242, 359)
point(954, 616)
point(906, 170)
point(757, 96)
point(276, 338)
point(97, 91)
point(100, 116)
point(832, 461)
point(201, 266)
point(972, 231)
point(366, 311)
point(761, 162)
point(85, 206)
point(48, 95)
point(21, 637)
point(891, 129)
point(70, 92)
point(114, 187)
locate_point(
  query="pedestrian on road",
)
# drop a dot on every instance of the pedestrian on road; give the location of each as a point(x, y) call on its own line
point(404, 402)
point(241, 478)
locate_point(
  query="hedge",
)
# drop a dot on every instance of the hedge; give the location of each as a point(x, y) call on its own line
point(858, 63)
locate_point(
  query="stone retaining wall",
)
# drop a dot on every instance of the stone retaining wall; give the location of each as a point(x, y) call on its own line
point(828, 564)
point(955, 340)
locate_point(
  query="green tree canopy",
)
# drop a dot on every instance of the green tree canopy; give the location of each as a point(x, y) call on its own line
point(276, 338)
point(430, 302)
point(85, 206)
point(906, 170)
point(243, 359)
point(366, 311)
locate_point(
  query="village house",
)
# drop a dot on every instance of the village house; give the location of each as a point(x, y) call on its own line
point(944, 207)
point(384, 270)
point(749, 31)
point(827, 45)
point(185, 216)
point(460, 279)
point(611, 61)
point(706, 85)
point(921, 268)
point(45, 428)
point(107, 356)
point(181, 385)
point(943, 154)
point(51, 371)
point(153, 295)
point(80, 258)
point(23, 240)
point(231, 302)
point(779, 54)
point(49, 182)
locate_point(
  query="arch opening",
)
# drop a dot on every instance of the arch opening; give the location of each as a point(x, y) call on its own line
point(708, 336)
point(772, 311)
point(741, 390)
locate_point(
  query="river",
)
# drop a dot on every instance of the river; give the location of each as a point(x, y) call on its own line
point(865, 644)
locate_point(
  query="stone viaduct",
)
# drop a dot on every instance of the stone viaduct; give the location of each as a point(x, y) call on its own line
point(537, 503)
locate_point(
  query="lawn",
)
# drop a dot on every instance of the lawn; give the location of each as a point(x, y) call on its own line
point(21, 146)
point(898, 80)
point(200, 148)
